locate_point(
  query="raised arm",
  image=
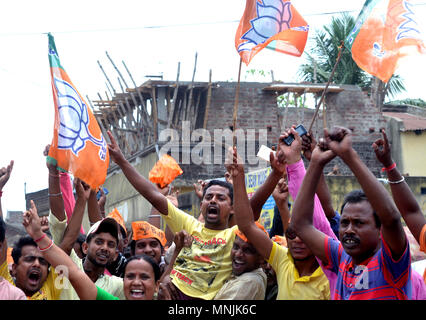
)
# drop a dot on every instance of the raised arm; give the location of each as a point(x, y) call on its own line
point(243, 211)
point(302, 213)
point(262, 194)
point(4, 177)
point(340, 142)
point(401, 192)
point(308, 145)
point(280, 196)
point(82, 284)
point(93, 209)
point(296, 173)
point(181, 239)
point(140, 183)
point(56, 200)
point(73, 228)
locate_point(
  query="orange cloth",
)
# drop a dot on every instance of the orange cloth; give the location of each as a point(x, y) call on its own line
point(165, 171)
point(243, 237)
point(282, 241)
point(423, 246)
point(78, 145)
point(144, 230)
point(9, 256)
point(115, 214)
point(384, 33)
point(422, 239)
point(280, 28)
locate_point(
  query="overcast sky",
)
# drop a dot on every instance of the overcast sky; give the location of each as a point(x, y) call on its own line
point(150, 36)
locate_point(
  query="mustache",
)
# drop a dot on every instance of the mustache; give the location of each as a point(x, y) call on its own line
point(350, 237)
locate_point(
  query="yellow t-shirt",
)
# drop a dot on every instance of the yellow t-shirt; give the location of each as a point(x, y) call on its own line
point(290, 285)
point(201, 270)
point(49, 290)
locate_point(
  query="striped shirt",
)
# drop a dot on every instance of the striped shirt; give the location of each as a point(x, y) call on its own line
point(378, 278)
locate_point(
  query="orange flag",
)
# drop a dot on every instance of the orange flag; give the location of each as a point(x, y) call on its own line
point(274, 24)
point(165, 171)
point(384, 32)
point(77, 145)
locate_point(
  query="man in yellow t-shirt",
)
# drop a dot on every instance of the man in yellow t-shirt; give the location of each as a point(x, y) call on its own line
point(199, 271)
point(31, 271)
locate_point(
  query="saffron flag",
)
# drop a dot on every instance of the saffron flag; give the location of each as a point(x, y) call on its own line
point(274, 24)
point(77, 145)
point(384, 32)
point(165, 171)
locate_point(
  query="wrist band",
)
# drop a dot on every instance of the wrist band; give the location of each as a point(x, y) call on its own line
point(39, 239)
point(396, 182)
point(55, 194)
point(392, 166)
point(48, 247)
point(54, 175)
point(1, 193)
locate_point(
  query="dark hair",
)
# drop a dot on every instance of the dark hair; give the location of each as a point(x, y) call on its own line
point(150, 260)
point(17, 248)
point(356, 196)
point(104, 228)
point(81, 239)
point(133, 246)
point(123, 231)
point(2, 229)
point(221, 183)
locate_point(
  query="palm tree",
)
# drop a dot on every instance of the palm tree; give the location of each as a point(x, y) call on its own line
point(323, 56)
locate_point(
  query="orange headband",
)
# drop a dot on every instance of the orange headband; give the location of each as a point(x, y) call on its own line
point(244, 238)
point(144, 230)
point(115, 214)
point(282, 241)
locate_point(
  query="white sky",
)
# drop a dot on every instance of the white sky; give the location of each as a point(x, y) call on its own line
point(84, 30)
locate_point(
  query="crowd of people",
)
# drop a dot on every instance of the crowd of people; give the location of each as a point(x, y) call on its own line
point(312, 252)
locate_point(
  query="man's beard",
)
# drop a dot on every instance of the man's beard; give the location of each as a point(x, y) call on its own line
point(96, 263)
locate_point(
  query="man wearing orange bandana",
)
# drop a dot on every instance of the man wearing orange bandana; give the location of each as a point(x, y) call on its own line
point(148, 239)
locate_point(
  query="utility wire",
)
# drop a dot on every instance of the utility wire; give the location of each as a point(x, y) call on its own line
point(173, 25)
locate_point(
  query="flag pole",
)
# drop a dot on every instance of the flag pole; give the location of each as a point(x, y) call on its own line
point(339, 55)
point(237, 93)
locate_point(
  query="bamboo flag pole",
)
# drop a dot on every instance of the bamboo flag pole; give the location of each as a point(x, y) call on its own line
point(237, 93)
point(339, 55)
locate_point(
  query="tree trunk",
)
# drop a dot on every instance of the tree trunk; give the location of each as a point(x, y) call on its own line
point(378, 92)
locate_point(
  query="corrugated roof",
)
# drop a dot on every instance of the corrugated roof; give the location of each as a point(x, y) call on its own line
point(410, 122)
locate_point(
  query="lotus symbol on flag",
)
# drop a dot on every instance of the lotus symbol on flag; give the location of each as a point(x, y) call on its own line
point(74, 121)
point(273, 16)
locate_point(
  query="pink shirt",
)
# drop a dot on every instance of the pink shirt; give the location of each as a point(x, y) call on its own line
point(295, 174)
point(67, 195)
point(10, 292)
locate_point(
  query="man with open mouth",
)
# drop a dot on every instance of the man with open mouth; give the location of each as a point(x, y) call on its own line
point(248, 280)
point(30, 271)
point(200, 270)
point(372, 259)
